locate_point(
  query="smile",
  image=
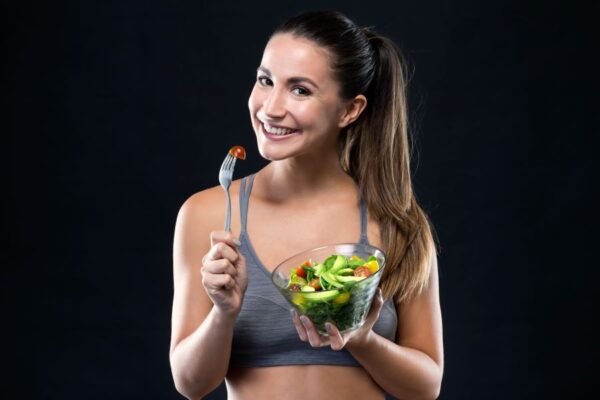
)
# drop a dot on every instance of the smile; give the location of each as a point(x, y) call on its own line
point(277, 131)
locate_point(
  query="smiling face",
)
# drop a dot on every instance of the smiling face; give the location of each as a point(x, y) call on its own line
point(295, 106)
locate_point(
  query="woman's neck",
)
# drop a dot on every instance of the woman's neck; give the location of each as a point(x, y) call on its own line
point(303, 178)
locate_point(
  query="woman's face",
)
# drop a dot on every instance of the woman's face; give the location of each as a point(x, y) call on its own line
point(294, 106)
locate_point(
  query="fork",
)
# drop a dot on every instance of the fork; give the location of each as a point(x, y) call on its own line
point(225, 177)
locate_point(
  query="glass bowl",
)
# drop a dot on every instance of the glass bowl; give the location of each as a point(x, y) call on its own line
point(347, 306)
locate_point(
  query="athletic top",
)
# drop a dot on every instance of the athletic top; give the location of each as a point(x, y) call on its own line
point(264, 333)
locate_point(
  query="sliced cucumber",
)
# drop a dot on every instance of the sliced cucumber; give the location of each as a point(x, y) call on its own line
point(340, 263)
point(342, 278)
point(345, 271)
point(319, 268)
point(297, 280)
point(332, 279)
point(355, 262)
point(307, 289)
point(321, 296)
point(323, 283)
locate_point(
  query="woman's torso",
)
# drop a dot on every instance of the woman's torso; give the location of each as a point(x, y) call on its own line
point(301, 382)
point(272, 239)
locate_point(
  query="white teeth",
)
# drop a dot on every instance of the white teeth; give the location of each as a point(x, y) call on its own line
point(276, 131)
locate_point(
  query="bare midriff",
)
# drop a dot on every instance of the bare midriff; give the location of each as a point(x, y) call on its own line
point(302, 382)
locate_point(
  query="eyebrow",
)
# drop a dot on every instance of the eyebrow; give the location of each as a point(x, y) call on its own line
point(293, 79)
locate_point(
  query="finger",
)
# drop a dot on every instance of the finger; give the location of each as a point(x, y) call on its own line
point(222, 250)
point(298, 325)
point(218, 282)
point(222, 266)
point(224, 237)
point(314, 338)
point(336, 339)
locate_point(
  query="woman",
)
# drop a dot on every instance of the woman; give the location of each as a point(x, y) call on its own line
point(329, 112)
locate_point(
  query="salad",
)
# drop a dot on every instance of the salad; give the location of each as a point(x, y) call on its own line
point(336, 290)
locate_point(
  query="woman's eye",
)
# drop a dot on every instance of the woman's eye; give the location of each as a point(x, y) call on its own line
point(300, 91)
point(264, 81)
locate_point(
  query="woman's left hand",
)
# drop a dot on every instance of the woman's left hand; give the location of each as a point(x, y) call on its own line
point(308, 332)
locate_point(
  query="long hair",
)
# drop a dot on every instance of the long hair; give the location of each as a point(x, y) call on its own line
point(374, 149)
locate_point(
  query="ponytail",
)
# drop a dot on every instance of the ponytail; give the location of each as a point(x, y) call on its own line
point(375, 152)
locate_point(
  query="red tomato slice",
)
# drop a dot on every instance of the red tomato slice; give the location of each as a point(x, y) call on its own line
point(301, 272)
point(238, 152)
point(362, 271)
point(316, 283)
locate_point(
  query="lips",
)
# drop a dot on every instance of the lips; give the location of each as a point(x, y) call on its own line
point(277, 132)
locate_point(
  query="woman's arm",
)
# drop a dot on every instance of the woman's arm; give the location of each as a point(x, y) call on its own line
point(205, 273)
point(411, 368)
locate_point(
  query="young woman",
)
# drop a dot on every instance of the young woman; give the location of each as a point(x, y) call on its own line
point(329, 112)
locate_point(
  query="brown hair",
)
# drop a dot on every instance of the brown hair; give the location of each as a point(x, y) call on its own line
point(374, 150)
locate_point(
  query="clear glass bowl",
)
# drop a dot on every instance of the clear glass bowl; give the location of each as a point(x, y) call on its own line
point(346, 307)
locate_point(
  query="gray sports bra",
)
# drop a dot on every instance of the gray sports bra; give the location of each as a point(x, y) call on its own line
point(264, 334)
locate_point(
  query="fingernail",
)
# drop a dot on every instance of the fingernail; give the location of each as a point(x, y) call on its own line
point(329, 327)
point(237, 242)
point(304, 320)
point(294, 313)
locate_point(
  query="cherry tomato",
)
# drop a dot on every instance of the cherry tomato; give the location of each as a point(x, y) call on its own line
point(362, 271)
point(315, 283)
point(238, 152)
point(301, 272)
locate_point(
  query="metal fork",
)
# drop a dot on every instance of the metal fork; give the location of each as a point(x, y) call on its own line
point(225, 177)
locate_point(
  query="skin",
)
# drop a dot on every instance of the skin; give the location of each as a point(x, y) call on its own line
point(302, 186)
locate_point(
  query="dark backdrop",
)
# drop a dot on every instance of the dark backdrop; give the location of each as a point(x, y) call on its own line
point(114, 112)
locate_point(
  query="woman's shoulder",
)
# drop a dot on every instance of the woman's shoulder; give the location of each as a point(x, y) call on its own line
point(207, 207)
point(203, 199)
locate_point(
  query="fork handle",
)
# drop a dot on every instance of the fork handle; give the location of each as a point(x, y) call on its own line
point(228, 213)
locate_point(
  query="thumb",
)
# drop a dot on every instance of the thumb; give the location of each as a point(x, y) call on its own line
point(225, 237)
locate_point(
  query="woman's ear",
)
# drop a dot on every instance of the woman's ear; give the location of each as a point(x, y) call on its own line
point(352, 110)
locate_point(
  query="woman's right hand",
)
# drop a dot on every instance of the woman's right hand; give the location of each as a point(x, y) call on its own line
point(224, 275)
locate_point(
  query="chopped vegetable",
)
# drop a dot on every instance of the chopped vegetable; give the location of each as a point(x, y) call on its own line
point(326, 291)
point(301, 272)
point(372, 265)
point(342, 298)
point(362, 272)
point(298, 299)
point(238, 152)
point(315, 283)
point(294, 288)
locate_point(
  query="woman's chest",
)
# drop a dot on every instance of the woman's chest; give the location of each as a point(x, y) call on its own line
point(278, 234)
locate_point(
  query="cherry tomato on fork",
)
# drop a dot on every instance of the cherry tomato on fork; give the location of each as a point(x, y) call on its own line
point(238, 152)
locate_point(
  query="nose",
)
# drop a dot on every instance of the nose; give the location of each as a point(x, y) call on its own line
point(274, 105)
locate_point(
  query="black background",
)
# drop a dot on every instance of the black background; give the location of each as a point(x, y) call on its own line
point(114, 112)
